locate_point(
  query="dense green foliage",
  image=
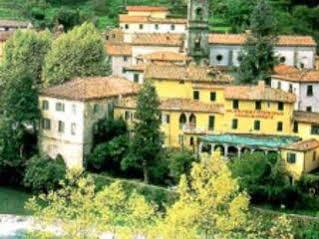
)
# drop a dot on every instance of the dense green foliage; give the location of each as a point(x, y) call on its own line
point(257, 57)
point(43, 173)
point(146, 143)
point(77, 53)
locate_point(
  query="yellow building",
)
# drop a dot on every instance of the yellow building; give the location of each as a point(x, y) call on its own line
point(202, 109)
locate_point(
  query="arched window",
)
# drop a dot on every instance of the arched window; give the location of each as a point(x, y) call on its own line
point(182, 121)
point(191, 141)
point(192, 121)
point(199, 14)
point(197, 43)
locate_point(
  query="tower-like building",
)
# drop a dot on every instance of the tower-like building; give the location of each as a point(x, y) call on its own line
point(197, 29)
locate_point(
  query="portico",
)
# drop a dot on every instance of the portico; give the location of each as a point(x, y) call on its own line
point(233, 145)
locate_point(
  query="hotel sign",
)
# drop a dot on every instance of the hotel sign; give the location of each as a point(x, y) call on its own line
point(255, 113)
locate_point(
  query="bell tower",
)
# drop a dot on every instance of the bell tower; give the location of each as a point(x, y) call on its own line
point(197, 29)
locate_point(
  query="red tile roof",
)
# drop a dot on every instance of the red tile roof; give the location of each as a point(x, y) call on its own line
point(146, 9)
point(239, 39)
point(186, 73)
point(124, 18)
point(303, 146)
point(92, 88)
point(158, 39)
point(118, 49)
point(259, 92)
point(293, 74)
point(306, 117)
point(177, 104)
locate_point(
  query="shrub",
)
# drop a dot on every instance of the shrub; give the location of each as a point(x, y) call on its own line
point(43, 173)
point(180, 162)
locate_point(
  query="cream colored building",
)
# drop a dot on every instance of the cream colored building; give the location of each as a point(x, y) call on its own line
point(70, 111)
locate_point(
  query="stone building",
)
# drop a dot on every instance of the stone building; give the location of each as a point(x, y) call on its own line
point(70, 111)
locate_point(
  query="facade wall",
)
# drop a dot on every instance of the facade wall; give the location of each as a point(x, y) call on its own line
point(134, 28)
point(227, 55)
point(154, 14)
point(285, 86)
point(304, 131)
point(130, 75)
point(68, 145)
point(118, 64)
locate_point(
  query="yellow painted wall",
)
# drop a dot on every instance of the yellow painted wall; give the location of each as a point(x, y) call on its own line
point(304, 131)
point(268, 116)
point(305, 162)
point(173, 89)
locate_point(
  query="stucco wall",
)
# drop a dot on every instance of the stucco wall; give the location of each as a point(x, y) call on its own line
point(118, 63)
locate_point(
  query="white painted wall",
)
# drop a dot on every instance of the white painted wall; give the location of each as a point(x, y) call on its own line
point(151, 28)
point(118, 63)
point(295, 56)
point(130, 76)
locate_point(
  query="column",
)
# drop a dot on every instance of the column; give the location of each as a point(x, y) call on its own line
point(239, 151)
point(225, 150)
point(212, 148)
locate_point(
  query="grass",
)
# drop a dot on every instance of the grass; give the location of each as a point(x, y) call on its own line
point(12, 201)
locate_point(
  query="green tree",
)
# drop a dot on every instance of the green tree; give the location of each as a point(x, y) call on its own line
point(44, 173)
point(146, 146)
point(257, 57)
point(78, 53)
point(24, 55)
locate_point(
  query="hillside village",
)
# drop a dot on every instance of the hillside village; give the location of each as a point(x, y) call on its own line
point(207, 111)
point(180, 71)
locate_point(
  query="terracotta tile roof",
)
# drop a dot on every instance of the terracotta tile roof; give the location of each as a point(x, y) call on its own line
point(158, 39)
point(14, 24)
point(124, 18)
point(293, 74)
point(137, 67)
point(165, 56)
point(118, 49)
point(92, 88)
point(239, 39)
point(259, 92)
point(303, 145)
point(306, 117)
point(146, 9)
point(186, 73)
point(177, 104)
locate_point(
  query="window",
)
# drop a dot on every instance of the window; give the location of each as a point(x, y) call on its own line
point(59, 107)
point(199, 14)
point(280, 106)
point(257, 125)
point(196, 95)
point(219, 57)
point(309, 90)
point(156, 27)
point(295, 127)
point(45, 105)
point(136, 78)
point(126, 26)
point(279, 85)
point(168, 119)
point(314, 156)
point(235, 104)
point(291, 158)
point(279, 126)
point(258, 105)
point(124, 58)
point(290, 88)
point(212, 96)
point(74, 109)
point(141, 26)
point(302, 65)
point(309, 109)
point(315, 129)
point(234, 124)
point(73, 128)
point(282, 59)
point(96, 108)
point(61, 126)
point(191, 141)
point(182, 121)
point(46, 124)
point(173, 27)
point(211, 122)
point(127, 115)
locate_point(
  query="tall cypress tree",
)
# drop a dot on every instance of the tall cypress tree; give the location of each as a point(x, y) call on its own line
point(146, 145)
point(257, 57)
